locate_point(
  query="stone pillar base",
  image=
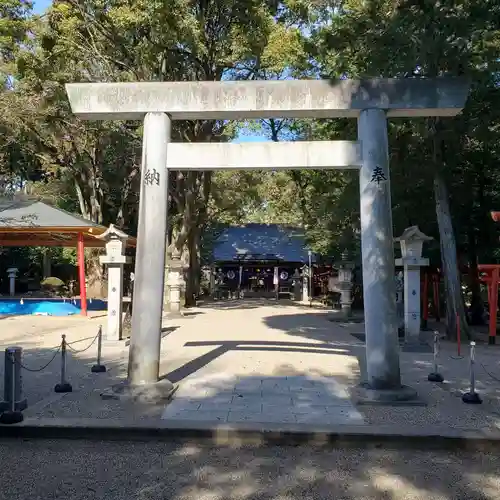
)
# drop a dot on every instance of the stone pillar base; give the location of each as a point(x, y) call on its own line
point(346, 311)
point(156, 392)
point(402, 396)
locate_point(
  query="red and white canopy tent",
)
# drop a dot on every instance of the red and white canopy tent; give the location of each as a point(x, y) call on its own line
point(29, 222)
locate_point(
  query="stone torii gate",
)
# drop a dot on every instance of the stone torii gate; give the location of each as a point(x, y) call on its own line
point(371, 102)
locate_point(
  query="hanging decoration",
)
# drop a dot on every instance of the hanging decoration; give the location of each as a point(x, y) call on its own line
point(231, 275)
point(284, 275)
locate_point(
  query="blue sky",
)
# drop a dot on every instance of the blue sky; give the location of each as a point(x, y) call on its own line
point(41, 5)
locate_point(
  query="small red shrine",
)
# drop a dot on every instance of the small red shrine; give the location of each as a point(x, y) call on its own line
point(490, 275)
point(430, 276)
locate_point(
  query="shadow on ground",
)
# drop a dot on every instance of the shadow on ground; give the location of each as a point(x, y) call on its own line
point(175, 471)
point(415, 366)
point(255, 303)
point(195, 471)
point(41, 371)
point(221, 347)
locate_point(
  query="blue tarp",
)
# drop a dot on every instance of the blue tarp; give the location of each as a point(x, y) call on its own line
point(49, 307)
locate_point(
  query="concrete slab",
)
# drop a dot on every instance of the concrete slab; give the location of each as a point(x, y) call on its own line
point(326, 402)
point(275, 399)
point(237, 100)
point(198, 415)
point(253, 406)
point(340, 416)
point(187, 405)
point(304, 409)
point(248, 386)
point(264, 418)
point(275, 385)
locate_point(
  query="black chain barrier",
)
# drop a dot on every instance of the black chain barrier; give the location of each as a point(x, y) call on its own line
point(72, 349)
point(489, 373)
point(13, 414)
point(34, 370)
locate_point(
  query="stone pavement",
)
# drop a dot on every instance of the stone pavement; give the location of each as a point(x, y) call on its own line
point(253, 365)
point(286, 399)
point(260, 363)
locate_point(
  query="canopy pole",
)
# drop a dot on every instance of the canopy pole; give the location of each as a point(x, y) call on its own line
point(81, 274)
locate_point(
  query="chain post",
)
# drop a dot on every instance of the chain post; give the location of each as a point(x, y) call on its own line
point(12, 416)
point(435, 376)
point(98, 367)
point(63, 386)
point(472, 397)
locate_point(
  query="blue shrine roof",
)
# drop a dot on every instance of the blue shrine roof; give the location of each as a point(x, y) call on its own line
point(261, 242)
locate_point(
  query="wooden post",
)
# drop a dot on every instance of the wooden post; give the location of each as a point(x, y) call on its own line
point(493, 306)
point(240, 276)
point(425, 300)
point(437, 305)
point(81, 274)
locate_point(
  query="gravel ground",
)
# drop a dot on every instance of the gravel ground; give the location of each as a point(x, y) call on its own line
point(145, 471)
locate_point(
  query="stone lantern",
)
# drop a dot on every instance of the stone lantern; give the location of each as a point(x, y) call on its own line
point(12, 274)
point(305, 283)
point(412, 241)
point(115, 259)
point(175, 283)
point(296, 283)
point(344, 284)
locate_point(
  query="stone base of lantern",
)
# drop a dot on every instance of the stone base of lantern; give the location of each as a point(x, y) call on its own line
point(175, 286)
point(174, 304)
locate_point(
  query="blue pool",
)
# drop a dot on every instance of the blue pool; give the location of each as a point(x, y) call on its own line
point(48, 307)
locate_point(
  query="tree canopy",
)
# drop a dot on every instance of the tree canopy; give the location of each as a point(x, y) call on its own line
point(444, 175)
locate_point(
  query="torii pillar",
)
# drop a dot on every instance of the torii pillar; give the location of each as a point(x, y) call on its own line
point(372, 102)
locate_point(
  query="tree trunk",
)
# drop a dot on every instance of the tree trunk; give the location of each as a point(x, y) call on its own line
point(81, 200)
point(193, 272)
point(95, 276)
point(476, 306)
point(454, 302)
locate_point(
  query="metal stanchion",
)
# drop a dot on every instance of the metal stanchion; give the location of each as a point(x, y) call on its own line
point(98, 367)
point(472, 397)
point(13, 371)
point(435, 376)
point(12, 416)
point(63, 386)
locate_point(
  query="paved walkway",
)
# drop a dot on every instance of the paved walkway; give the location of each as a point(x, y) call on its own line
point(273, 363)
point(254, 362)
point(267, 364)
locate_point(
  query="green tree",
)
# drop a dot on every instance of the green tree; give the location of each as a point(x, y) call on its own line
point(118, 40)
point(420, 39)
